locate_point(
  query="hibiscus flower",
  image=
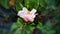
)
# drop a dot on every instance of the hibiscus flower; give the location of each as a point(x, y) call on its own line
point(27, 15)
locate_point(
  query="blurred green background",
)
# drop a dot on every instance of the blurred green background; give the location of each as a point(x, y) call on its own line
point(49, 23)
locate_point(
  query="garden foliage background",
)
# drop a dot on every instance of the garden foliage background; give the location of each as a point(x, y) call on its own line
point(46, 22)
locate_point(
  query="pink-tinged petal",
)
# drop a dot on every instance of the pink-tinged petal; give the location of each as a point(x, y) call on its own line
point(30, 19)
point(25, 19)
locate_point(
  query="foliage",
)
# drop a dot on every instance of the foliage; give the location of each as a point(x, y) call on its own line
point(50, 8)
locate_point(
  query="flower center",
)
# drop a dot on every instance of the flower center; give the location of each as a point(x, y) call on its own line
point(28, 12)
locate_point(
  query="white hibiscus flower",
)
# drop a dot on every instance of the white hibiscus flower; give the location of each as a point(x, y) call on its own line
point(27, 15)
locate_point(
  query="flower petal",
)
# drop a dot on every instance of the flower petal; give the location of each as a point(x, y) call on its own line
point(33, 16)
point(29, 18)
point(24, 10)
point(20, 14)
point(25, 19)
point(33, 11)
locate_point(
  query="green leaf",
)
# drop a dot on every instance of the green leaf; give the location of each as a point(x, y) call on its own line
point(5, 3)
point(17, 31)
point(17, 25)
point(40, 26)
point(19, 5)
point(42, 3)
point(31, 4)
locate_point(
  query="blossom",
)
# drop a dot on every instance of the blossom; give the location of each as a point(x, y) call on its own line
point(27, 15)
